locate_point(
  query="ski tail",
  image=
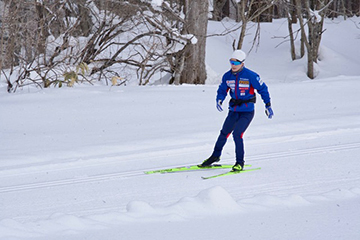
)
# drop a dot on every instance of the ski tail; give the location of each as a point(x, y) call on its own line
point(231, 173)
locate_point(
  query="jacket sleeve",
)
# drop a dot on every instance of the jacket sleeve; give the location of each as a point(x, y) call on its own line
point(261, 88)
point(222, 90)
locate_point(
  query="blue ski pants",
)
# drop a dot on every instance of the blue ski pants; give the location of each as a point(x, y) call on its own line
point(235, 123)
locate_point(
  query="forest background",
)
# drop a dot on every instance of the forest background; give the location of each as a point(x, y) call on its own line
point(116, 42)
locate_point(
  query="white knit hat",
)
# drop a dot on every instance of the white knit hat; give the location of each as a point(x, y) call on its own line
point(239, 55)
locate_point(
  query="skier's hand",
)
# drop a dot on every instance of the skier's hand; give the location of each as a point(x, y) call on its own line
point(269, 112)
point(219, 105)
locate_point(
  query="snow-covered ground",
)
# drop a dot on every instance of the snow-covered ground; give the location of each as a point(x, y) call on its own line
point(72, 159)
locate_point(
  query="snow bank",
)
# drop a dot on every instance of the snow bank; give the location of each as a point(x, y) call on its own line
point(210, 202)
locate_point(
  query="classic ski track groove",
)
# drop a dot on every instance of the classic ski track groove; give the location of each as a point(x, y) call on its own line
point(106, 177)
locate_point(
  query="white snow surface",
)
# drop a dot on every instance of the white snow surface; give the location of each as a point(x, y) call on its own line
point(72, 160)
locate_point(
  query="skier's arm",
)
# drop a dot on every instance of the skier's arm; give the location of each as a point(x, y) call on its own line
point(221, 94)
point(261, 88)
point(222, 90)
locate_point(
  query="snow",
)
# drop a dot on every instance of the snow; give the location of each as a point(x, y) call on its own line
point(72, 159)
point(157, 2)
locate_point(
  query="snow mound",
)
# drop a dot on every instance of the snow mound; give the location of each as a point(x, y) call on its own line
point(215, 201)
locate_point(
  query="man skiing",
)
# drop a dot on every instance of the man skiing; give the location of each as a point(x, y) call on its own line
point(240, 82)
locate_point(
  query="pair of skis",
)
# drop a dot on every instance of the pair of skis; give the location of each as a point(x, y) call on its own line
point(195, 167)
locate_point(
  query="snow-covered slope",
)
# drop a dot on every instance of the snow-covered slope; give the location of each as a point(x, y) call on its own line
point(72, 160)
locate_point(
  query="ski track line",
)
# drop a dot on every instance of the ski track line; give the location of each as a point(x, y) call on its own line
point(93, 161)
point(64, 182)
point(295, 186)
point(336, 148)
point(110, 176)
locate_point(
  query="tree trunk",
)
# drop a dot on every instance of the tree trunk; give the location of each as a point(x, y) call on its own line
point(42, 28)
point(292, 41)
point(85, 18)
point(304, 40)
point(292, 18)
point(241, 10)
point(218, 9)
point(315, 29)
point(196, 19)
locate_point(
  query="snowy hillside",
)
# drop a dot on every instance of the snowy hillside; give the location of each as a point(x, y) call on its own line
point(72, 160)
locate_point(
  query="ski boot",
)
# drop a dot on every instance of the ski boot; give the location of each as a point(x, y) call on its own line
point(209, 161)
point(238, 167)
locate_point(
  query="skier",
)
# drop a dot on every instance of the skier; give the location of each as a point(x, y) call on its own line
point(241, 82)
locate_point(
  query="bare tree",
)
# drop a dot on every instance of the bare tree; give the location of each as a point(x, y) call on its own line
point(52, 43)
point(106, 38)
point(26, 27)
point(290, 9)
point(251, 10)
point(314, 13)
point(191, 61)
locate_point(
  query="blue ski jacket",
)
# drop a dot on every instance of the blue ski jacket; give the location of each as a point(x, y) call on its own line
point(241, 86)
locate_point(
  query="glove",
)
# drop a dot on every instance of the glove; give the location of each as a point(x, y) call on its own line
point(219, 105)
point(269, 112)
